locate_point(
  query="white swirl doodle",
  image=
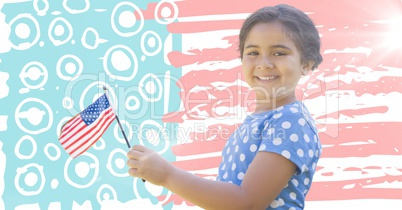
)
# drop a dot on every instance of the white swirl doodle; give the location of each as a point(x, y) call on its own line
point(30, 180)
point(166, 12)
point(102, 145)
point(130, 61)
point(59, 31)
point(97, 41)
point(136, 105)
point(41, 12)
point(68, 103)
point(73, 69)
point(56, 148)
point(76, 11)
point(34, 115)
point(119, 162)
point(150, 88)
point(33, 70)
point(25, 45)
point(94, 166)
point(151, 42)
point(18, 145)
point(107, 196)
point(129, 24)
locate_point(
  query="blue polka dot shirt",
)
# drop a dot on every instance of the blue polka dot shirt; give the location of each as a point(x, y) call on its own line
point(289, 131)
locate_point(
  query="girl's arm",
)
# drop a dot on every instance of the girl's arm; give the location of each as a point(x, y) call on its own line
point(267, 175)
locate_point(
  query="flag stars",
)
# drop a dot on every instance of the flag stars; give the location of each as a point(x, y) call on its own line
point(91, 113)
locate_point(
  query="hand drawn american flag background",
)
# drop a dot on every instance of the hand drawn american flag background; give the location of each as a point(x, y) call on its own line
point(190, 48)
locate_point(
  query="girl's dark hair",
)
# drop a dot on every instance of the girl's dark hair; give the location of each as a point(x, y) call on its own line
point(297, 25)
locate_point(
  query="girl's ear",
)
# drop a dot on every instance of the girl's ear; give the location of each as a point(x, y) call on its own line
point(307, 67)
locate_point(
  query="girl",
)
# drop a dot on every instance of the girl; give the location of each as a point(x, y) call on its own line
point(270, 160)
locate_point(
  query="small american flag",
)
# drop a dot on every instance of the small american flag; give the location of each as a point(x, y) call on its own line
point(83, 130)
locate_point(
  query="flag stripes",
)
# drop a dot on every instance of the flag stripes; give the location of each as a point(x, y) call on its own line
point(83, 130)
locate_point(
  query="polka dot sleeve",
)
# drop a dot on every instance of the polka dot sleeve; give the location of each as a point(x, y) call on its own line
point(288, 133)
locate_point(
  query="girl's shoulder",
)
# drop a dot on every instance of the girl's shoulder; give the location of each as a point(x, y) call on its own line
point(296, 113)
point(292, 114)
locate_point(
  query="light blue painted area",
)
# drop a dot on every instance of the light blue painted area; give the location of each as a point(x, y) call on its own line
point(50, 44)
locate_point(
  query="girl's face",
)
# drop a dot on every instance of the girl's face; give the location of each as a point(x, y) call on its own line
point(271, 63)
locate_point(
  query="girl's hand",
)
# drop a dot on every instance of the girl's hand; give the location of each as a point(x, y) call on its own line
point(149, 165)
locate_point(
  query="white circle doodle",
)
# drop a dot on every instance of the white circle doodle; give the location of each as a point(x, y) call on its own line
point(101, 188)
point(161, 129)
point(94, 165)
point(34, 132)
point(76, 11)
point(134, 63)
point(69, 70)
point(159, 43)
point(59, 30)
point(56, 148)
point(136, 9)
point(84, 37)
point(101, 146)
point(23, 170)
point(68, 103)
point(166, 12)
point(142, 88)
point(41, 12)
point(109, 163)
point(136, 105)
point(31, 71)
point(18, 145)
point(26, 45)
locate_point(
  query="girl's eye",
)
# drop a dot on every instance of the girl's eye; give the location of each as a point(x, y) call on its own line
point(252, 53)
point(279, 54)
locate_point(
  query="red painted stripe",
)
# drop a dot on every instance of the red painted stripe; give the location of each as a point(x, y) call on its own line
point(202, 26)
point(382, 134)
point(179, 59)
point(355, 112)
point(335, 189)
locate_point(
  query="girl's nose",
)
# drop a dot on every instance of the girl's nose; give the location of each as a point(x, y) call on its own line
point(265, 63)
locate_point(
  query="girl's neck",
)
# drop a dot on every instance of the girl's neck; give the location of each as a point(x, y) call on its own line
point(264, 105)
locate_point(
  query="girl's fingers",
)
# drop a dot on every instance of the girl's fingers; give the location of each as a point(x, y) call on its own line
point(132, 163)
point(133, 153)
point(133, 172)
point(139, 148)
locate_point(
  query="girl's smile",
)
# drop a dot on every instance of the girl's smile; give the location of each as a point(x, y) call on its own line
point(267, 78)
